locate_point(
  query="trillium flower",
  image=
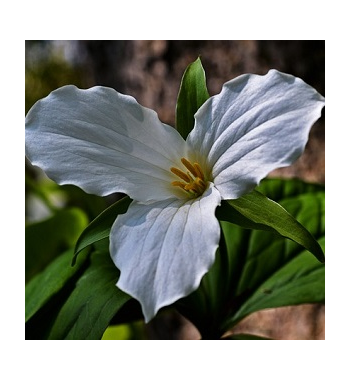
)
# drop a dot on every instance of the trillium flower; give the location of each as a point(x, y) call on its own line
point(105, 142)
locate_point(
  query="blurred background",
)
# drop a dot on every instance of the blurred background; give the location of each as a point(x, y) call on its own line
point(151, 71)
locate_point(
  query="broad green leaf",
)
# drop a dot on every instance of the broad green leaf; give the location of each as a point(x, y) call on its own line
point(225, 212)
point(193, 93)
point(256, 211)
point(269, 271)
point(50, 281)
point(300, 281)
point(100, 227)
point(47, 239)
point(263, 247)
point(88, 310)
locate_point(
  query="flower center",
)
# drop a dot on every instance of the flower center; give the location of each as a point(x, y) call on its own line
point(193, 181)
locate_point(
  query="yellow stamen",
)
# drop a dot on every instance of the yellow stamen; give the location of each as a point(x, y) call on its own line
point(194, 181)
point(198, 170)
point(180, 174)
point(189, 166)
point(180, 184)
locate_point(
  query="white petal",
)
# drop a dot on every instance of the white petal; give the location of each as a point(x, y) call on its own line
point(103, 142)
point(164, 249)
point(256, 124)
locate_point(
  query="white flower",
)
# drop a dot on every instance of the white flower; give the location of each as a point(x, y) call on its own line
point(105, 142)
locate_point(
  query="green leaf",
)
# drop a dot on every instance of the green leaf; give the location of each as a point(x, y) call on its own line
point(268, 271)
point(256, 211)
point(95, 300)
point(299, 281)
point(193, 93)
point(226, 212)
point(47, 239)
point(100, 227)
point(49, 282)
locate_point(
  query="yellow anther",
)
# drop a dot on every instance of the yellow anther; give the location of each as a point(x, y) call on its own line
point(180, 174)
point(194, 181)
point(198, 171)
point(180, 184)
point(189, 166)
